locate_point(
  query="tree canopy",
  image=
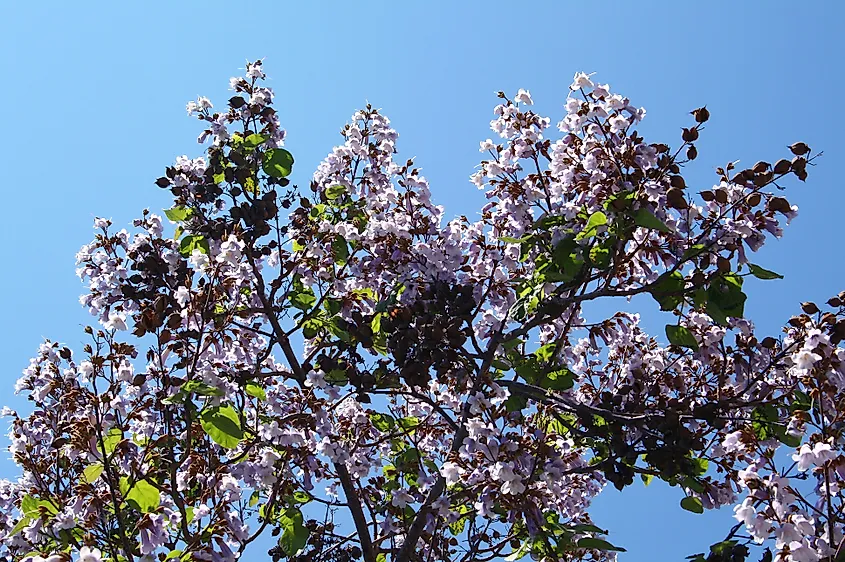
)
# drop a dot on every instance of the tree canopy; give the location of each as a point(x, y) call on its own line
point(338, 366)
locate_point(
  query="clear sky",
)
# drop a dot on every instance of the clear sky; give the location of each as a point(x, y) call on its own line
point(93, 109)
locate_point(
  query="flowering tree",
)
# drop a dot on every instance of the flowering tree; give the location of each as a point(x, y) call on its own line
point(340, 368)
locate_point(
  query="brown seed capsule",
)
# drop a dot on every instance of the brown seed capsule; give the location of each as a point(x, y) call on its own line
point(677, 181)
point(783, 166)
point(753, 199)
point(724, 264)
point(690, 135)
point(760, 167)
point(692, 152)
point(799, 148)
point(809, 307)
point(675, 199)
point(701, 115)
point(721, 196)
point(779, 204)
point(834, 302)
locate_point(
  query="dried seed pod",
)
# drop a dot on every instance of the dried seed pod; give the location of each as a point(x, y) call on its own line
point(799, 148)
point(783, 166)
point(701, 115)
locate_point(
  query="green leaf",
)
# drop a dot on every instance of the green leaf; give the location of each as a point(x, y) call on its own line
point(725, 298)
point(560, 379)
point(586, 528)
point(761, 273)
point(646, 478)
point(598, 544)
point(173, 554)
point(645, 218)
point(278, 163)
point(20, 525)
point(596, 220)
point(680, 336)
point(301, 497)
point(295, 535)
point(202, 389)
point(340, 250)
point(255, 390)
point(92, 472)
point(512, 240)
point(700, 466)
point(222, 425)
point(143, 496)
point(311, 328)
point(408, 423)
point(515, 403)
point(254, 140)
point(600, 257)
point(111, 439)
point(193, 242)
point(29, 506)
point(546, 352)
point(335, 191)
point(693, 504)
point(179, 213)
point(303, 299)
point(382, 422)
point(668, 290)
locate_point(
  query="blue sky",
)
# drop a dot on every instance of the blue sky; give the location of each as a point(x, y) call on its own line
point(94, 109)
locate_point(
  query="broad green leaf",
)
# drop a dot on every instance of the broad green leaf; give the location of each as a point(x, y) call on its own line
point(761, 273)
point(598, 544)
point(600, 257)
point(256, 391)
point(202, 389)
point(646, 478)
point(301, 497)
point(382, 422)
point(560, 379)
point(645, 218)
point(295, 535)
point(92, 472)
point(693, 504)
point(193, 242)
point(725, 298)
point(278, 163)
point(303, 299)
point(515, 403)
point(174, 554)
point(596, 220)
point(668, 290)
point(111, 439)
point(335, 191)
point(311, 328)
point(546, 352)
point(681, 336)
point(512, 240)
point(143, 496)
point(23, 522)
point(222, 425)
point(700, 465)
point(254, 140)
point(340, 250)
point(179, 213)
